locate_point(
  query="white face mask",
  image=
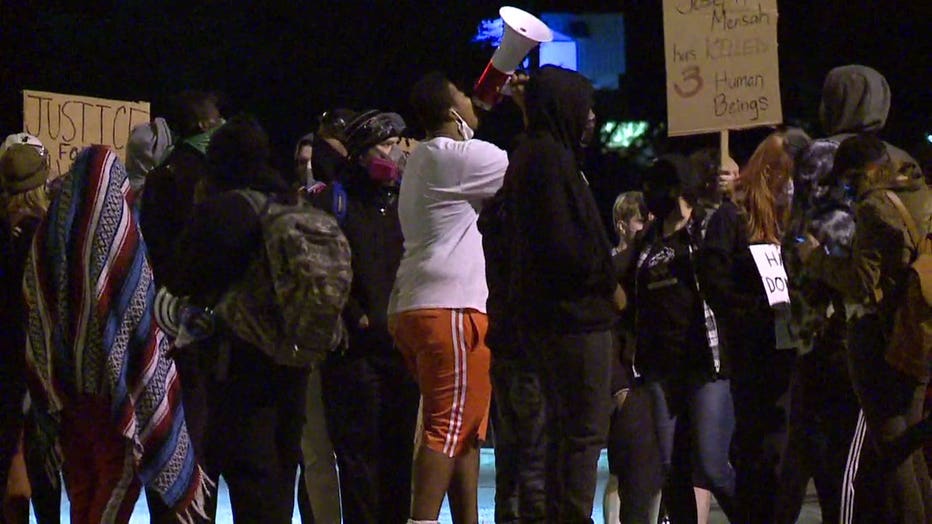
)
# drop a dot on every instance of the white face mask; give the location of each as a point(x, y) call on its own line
point(465, 131)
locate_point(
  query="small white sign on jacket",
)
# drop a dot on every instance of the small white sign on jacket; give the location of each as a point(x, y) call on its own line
point(769, 262)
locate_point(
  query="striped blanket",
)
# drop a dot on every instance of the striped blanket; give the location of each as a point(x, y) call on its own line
point(89, 290)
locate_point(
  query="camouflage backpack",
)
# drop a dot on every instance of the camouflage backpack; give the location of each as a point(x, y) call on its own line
point(289, 302)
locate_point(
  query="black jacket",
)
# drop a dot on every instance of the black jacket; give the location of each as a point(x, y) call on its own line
point(167, 203)
point(374, 233)
point(219, 241)
point(563, 265)
point(732, 286)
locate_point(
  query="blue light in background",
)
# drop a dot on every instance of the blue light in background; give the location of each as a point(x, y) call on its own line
point(489, 32)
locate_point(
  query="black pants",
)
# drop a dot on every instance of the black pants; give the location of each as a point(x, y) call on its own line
point(519, 423)
point(371, 403)
point(575, 372)
point(253, 432)
point(823, 415)
point(760, 386)
point(892, 404)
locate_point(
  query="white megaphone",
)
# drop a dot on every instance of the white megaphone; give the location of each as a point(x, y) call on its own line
point(523, 32)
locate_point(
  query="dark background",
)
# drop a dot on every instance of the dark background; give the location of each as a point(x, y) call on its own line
point(287, 62)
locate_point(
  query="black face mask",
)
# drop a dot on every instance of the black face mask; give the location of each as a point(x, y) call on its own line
point(660, 203)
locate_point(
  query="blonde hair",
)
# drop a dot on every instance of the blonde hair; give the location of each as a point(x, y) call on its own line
point(766, 175)
point(34, 202)
point(628, 205)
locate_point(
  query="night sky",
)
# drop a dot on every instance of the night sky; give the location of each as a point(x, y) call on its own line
point(287, 62)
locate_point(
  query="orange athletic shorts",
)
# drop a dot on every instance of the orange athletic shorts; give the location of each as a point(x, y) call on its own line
point(445, 351)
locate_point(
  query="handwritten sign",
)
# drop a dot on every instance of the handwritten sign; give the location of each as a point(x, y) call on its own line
point(722, 70)
point(769, 261)
point(67, 123)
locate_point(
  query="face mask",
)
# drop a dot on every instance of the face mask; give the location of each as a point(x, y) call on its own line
point(383, 170)
point(465, 131)
point(660, 204)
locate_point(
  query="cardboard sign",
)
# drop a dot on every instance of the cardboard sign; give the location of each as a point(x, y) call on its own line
point(769, 261)
point(722, 70)
point(66, 124)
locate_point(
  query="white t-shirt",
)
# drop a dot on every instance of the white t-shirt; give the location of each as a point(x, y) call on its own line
point(444, 185)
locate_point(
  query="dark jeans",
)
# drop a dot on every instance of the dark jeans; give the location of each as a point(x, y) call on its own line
point(892, 403)
point(823, 415)
point(253, 433)
point(760, 387)
point(634, 455)
point(575, 372)
point(711, 424)
point(371, 403)
point(519, 425)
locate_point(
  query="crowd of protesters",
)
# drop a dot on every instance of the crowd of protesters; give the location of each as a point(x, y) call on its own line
point(488, 302)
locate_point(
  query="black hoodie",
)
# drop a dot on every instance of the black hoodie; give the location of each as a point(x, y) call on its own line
point(565, 277)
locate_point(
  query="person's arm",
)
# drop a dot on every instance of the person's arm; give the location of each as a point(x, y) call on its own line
point(548, 216)
point(857, 277)
point(724, 235)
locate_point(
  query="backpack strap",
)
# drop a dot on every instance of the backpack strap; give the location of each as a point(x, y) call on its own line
point(907, 217)
point(258, 201)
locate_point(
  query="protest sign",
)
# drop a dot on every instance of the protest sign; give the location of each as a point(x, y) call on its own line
point(769, 261)
point(721, 62)
point(68, 123)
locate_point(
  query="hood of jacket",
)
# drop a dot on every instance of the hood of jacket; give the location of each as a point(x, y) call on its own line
point(558, 103)
point(855, 99)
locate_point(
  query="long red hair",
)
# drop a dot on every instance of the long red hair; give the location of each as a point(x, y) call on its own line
point(763, 181)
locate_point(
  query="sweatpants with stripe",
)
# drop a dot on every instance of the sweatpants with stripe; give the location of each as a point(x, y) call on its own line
point(892, 483)
point(823, 415)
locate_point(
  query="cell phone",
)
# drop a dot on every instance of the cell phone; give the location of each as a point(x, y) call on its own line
point(800, 240)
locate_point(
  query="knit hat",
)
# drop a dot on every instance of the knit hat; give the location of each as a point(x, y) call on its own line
point(147, 147)
point(22, 167)
point(371, 128)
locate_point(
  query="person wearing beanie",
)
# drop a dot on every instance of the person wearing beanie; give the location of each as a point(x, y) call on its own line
point(893, 211)
point(255, 407)
point(23, 173)
point(23, 168)
point(371, 401)
point(437, 309)
point(148, 146)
